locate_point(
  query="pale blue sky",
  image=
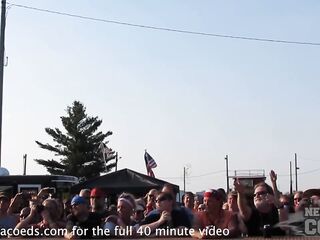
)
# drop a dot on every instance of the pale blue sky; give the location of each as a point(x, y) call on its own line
point(189, 100)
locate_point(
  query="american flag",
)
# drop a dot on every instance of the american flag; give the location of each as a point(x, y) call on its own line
point(106, 152)
point(150, 163)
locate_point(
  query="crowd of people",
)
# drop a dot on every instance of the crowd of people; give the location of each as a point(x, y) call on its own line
point(87, 214)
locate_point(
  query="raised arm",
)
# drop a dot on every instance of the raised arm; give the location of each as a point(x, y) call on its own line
point(273, 178)
point(244, 209)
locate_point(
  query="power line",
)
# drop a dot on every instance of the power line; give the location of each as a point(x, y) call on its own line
point(166, 29)
point(301, 173)
point(196, 176)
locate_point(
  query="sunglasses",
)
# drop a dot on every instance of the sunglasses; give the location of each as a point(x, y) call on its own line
point(161, 200)
point(260, 193)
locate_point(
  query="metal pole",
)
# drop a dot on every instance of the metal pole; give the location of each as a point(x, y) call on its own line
point(2, 33)
point(296, 170)
point(184, 179)
point(116, 161)
point(25, 164)
point(290, 178)
point(227, 172)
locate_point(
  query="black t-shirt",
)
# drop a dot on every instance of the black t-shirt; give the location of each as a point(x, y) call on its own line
point(103, 215)
point(93, 221)
point(258, 220)
point(178, 215)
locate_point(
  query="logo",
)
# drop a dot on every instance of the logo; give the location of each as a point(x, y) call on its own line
point(312, 221)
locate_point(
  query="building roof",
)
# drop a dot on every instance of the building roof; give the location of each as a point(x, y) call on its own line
point(124, 180)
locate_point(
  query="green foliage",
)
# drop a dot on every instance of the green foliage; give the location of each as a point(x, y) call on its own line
point(78, 149)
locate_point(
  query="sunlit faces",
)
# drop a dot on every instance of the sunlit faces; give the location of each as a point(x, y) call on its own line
point(232, 203)
point(297, 198)
point(261, 199)
point(124, 208)
point(212, 203)
point(164, 202)
point(188, 200)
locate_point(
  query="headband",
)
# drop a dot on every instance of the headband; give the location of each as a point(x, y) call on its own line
point(126, 201)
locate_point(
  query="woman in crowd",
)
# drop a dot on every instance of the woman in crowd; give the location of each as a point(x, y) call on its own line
point(150, 199)
point(125, 209)
point(215, 216)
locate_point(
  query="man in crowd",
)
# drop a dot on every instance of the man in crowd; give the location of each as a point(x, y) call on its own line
point(97, 202)
point(297, 197)
point(261, 218)
point(167, 215)
point(188, 202)
point(85, 193)
point(82, 218)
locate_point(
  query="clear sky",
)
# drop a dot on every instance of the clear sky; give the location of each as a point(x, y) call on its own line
point(189, 100)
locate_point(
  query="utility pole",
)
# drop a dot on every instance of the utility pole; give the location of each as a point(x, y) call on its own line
point(184, 180)
point(296, 169)
point(116, 161)
point(290, 178)
point(2, 32)
point(227, 172)
point(25, 164)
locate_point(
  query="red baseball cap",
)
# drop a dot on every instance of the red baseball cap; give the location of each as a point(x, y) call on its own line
point(97, 192)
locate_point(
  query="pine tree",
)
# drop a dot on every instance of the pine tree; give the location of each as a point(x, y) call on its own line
point(78, 149)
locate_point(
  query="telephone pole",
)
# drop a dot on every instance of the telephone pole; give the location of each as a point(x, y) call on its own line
point(25, 164)
point(2, 32)
point(184, 180)
point(296, 168)
point(227, 172)
point(290, 178)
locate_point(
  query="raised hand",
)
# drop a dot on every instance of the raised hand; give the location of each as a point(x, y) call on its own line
point(273, 176)
point(238, 186)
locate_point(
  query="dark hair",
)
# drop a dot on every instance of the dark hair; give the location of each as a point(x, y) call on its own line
point(187, 194)
point(165, 196)
point(170, 186)
point(263, 184)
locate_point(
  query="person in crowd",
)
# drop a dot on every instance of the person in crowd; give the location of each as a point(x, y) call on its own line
point(166, 216)
point(24, 213)
point(7, 220)
point(286, 203)
point(168, 188)
point(201, 207)
point(85, 193)
point(82, 218)
point(151, 201)
point(315, 200)
point(97, 202)
point(139, 212)
point(126, 208)
point(263, 216)
point(215, 216)
point(223, 194)
point(188, 202)
point(197, 202)
point(112, 209)
point(232, 202)
point(49, 214)
point(67, 206)
point(297, 197)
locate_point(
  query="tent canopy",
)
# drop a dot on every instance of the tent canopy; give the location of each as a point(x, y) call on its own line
point(124, 180)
